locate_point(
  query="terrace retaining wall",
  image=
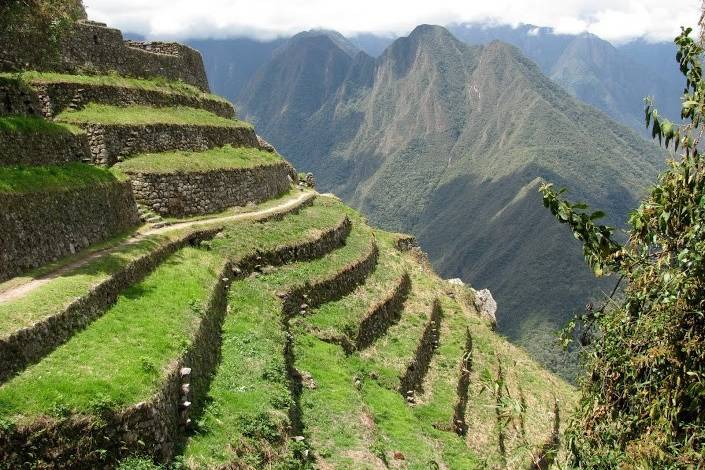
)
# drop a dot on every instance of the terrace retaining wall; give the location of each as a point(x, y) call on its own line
point(156, 427)
point(181, 194)
point(93, 48)
point(112, 143)
point(53, 98)
point(47, 148)
point(38, 228)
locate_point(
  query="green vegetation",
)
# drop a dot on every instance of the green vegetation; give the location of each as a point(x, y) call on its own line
point(51, 178)
point(60, 291)
point(144, 115)
point(642, 402)
point(224, 158)
point(250, 399)
point(121, 359)
point(341, 319)
point(33, 125)
point(153, 84)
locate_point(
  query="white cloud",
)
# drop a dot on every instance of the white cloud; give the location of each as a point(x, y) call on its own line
point(615, 20)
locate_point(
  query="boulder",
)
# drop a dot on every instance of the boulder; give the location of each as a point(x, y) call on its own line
point(486, 306)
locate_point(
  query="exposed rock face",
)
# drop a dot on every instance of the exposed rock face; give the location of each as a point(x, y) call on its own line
point(486, 305)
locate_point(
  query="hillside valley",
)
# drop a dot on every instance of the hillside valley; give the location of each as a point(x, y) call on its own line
point(450, 142)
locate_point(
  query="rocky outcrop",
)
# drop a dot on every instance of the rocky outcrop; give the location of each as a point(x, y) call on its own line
point(181, 194)
point(486, 306)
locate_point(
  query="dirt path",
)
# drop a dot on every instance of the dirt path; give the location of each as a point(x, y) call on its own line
point(21, 290)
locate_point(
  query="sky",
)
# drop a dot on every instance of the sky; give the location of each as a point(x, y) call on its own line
point(618, 21)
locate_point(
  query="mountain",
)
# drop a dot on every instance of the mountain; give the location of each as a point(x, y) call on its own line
point(450, 142)
point(231, 63)
point(614, 80)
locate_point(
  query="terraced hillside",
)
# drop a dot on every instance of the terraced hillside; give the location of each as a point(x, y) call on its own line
point(172, 295)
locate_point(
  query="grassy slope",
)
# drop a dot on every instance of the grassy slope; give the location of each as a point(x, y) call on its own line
point(53, 178)
point(249, 392)
point(144, 115)
point(152, 321)
point(155, 84)
point(224, 158)
point(361, 426)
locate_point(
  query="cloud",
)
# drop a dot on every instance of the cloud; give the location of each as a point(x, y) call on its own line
point(614, 20)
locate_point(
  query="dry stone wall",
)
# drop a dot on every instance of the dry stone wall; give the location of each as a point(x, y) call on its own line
point(39, 228)
point(180, 194)
point(112, 143)
point(19, 148)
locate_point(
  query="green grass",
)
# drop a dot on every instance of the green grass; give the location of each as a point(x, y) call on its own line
point(335, 416)
point(249, 387)
point(53, 178)
point(34, 125)
point(391, 354)
point(223, 158)
point(121, 359)
point(353, 427)
point(144, 115)
point(153, 84)
point(151, 323)
point(342, 318)
point(59, 292)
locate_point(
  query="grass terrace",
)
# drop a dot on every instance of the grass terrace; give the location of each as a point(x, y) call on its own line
point(223, 158)
point(34, 125)
point(250, 396)
point(153, 84)
point(342, 318)
point(145, 115)
point(53, 178)
point(149, 326)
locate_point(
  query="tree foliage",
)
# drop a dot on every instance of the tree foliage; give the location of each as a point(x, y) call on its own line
point(643, 398)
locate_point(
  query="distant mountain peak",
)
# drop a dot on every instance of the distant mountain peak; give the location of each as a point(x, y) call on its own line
point(338, 39)
point(425, 32)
